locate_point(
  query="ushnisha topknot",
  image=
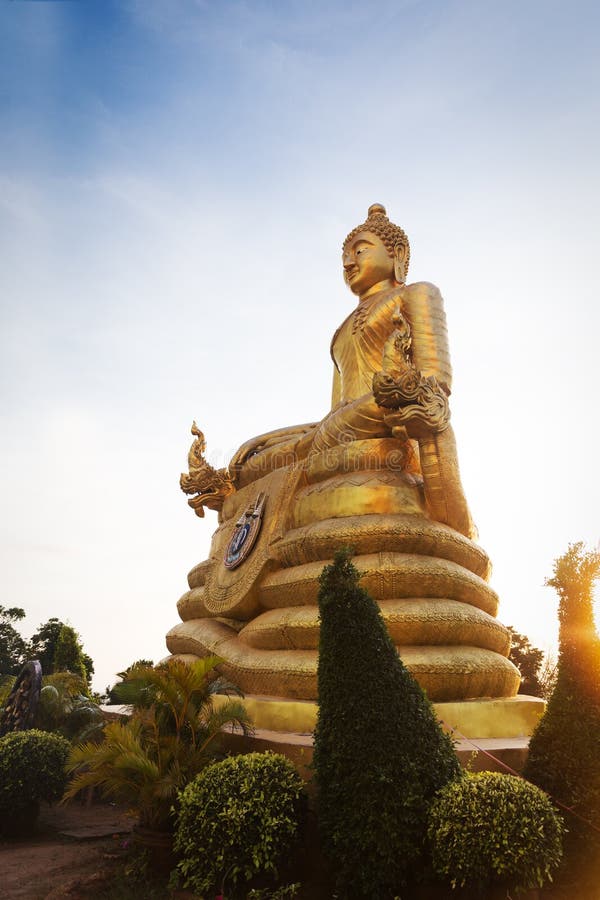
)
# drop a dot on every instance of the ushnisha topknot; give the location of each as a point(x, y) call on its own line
point(378, 223)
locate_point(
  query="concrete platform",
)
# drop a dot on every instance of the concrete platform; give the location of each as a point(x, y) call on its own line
point(482, 755)
point(490, 735)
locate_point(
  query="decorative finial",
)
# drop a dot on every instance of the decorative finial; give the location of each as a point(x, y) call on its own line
point(376, 209)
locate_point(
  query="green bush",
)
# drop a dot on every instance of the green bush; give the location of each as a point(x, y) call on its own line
point(380, 754)
point(237, 820)
point(32, 769)
point(489, 828)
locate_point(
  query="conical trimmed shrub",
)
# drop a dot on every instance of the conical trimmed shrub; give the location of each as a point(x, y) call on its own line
point(380, 754)
point(564, 751)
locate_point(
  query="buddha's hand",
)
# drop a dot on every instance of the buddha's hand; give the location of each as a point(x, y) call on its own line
point(288, 436)
point(248, 449)
point(418, 406)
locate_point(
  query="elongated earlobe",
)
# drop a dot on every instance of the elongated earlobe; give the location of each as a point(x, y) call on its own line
point(400, 263)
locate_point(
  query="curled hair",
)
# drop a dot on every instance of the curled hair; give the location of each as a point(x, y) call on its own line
point(378, 223)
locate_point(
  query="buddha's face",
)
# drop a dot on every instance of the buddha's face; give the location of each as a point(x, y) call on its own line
point(367, 264)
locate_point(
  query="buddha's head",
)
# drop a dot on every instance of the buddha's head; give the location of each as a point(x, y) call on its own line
point(375, 254)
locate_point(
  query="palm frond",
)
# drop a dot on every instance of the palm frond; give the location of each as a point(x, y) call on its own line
point(166, 741)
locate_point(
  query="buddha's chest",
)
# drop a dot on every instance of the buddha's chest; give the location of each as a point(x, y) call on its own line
point(358, 345)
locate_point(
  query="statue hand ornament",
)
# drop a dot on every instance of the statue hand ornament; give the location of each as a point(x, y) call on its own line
point(418, 405)
point(428, 414)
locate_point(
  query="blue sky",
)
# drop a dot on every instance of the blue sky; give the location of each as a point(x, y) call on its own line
point(176, 181)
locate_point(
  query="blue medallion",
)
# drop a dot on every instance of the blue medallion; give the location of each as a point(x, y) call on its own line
point(244, 534)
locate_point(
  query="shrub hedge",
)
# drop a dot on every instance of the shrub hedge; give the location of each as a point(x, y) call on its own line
point(32, 769)
point(489, 828)
point(238, 819)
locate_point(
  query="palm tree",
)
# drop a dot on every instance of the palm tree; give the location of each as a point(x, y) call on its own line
point(171, 735)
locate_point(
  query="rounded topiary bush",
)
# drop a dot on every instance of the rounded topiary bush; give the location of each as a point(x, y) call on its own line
point(489, 828)
point(32, 769)
point(238, 819)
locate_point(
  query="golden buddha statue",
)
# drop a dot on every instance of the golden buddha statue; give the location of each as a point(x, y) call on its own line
point(378, 473)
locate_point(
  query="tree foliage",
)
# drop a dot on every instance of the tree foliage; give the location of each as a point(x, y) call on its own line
point(528, 660)
point(380, 754)
point(43, 646)
point(12, 645)
point(68, 655)
point(563, 751)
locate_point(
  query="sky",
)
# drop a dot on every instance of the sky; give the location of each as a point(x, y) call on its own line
point(176, 181)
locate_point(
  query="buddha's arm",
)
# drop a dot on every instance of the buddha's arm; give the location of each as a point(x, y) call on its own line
point(444, 493)
point(271, 439)
point(424, 307)
point(413, 389)
point(446, 501)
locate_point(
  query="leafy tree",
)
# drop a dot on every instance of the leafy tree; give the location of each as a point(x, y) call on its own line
point(88, 664)
point(12, 645)
point(380, 754)
point(68, 656)
point(528, 660)
point(43, 644)
point(563, 751)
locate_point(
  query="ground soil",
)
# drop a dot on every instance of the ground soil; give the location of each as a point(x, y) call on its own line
point(78, 852)
point(72, 843)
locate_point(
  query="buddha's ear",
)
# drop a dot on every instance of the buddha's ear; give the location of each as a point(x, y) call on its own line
point(400, 262)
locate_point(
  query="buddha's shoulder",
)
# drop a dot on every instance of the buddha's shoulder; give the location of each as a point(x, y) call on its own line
point(421, 289)
point(419, 294)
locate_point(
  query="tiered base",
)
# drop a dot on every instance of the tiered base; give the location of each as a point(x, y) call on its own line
point(515, 717)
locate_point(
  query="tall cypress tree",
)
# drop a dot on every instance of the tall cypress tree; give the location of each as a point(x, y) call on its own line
point(564, 751)
point(380, 754)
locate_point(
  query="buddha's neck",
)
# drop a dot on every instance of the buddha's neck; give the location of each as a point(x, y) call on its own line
point(386, 285)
